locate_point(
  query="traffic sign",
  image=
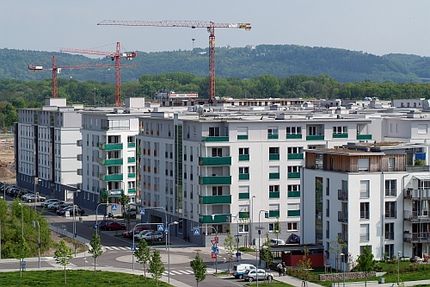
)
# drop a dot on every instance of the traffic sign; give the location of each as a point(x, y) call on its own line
point(142, 211)
point(196, 231)
point(215, 249)
point(213, 255)
point(114, 207)
point(95, 226)
point(160, 227)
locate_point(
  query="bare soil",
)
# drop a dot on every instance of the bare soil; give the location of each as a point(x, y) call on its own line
point(7, 158)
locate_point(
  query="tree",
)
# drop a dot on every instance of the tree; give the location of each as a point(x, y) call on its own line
point(95, 248)
point(3, 214)
point(156, 267)
point(229, 248)
point(366, 262)
point(266, 253)
point(199, 269)
point(62, 256)
point(304, 265)
point(143, 254)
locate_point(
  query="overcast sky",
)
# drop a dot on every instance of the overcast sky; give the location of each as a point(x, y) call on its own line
point(374, 26)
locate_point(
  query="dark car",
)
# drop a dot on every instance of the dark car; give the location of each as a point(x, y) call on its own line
point(111, 226)
point(62, 211)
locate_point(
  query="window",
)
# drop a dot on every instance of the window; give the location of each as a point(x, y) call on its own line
point(391, 163)
point(390, 209)
point(389, 231)
point(243, 228)
point(327, 187)
point(294, 169)
point(327, 229)
point(244, 151)
point(272, 132)
point(216, 190)
point(244, 170)
point(274, 227)
point(363, 164)
point(295, 150)
point(273, 150)
point(214, 131)
point(364, 189)
point(390, 187)
point(244, 192)
point(273, 191)
point(389, 251)
point(216, 152)
point(292, 226)
point(294, 187)
point(422, 129)
point(340, 130)
point(294, 130)
point(364, 232)
point(364, 210)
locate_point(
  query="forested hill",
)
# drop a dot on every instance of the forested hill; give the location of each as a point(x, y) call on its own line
point(249, 62)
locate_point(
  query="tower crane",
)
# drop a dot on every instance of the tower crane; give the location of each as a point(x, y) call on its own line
point(209, 25)
point(114, 56)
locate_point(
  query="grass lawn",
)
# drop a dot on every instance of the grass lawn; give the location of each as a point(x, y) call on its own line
point(75, 278)
point(273, 284)
point(408, 271)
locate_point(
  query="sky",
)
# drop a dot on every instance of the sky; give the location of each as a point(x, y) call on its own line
point(373, 26)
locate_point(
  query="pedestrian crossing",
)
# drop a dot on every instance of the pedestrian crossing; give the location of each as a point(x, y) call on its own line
point(117, 248)
point(179, 272)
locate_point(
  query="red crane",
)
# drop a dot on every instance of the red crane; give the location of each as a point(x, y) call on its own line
point(56, 70)
point(209, 25)
point(114, 56)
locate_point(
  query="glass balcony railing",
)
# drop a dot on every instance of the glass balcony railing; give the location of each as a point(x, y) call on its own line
point(215, 199)
point(340, 136)
point(215, 139)
point(111, 146)
point(294, 136)
point(295, 156)
point(293, 213)
point(294, 175)
point(243, 195)
point(225, 160)
point(215, 218)
point(274, 194)
point(242, 137)
point(243, 176)
point(215, 180)
point(364, 137)
point(243, 157)
point(315, 138)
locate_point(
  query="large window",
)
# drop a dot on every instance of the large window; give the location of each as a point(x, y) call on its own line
point(364, 188)
point(389, 231)
point(364, 210)
point(363, 164)
point(390, 209)
point(292, 226)
point(391, 187)
point(294, 130)
point(364, 232)
point(214, 132)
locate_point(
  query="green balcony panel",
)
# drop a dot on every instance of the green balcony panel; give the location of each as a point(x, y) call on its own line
point(340, 136)
point(294, 175)
point(295, 156)
point(273, 137)
point(293, 213)
point(215, 180)
point(294, 194)
point(315, 138)
point(113, 177)
point(131, 190)
point(274, 156)
point(131, 175)
point(131, 145)
point(274, 194)
point(242, 137)
point(131, 160)
point(294, 136)
point(243, 157)
point(243, 176)
point(216, 139)
point(243, 195)
point(225, 160)
point(215, 218)
point(274, 175)
point(273, 213)
point(215, 199)
point(243, 215)
point(111, 146)
point(364, 137)
point(112, 161)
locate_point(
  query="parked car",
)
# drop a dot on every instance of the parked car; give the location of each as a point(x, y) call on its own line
point(50, 201)
point(139, 235)
point(261, 274)
point(111, 225)
point(240, 270)
point(275, 242)
point(55, 205)
point(151, 236)
point(137, 230)
point(69, 208)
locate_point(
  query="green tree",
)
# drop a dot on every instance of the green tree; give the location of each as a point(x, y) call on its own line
point(95, 248)
point(143, 254)
point(199, 269)
point(304, 265)
point(62, 256)
point(156, 267)
point(229, 247)
point(3, 214)
point(366, 262)
point(266, 253)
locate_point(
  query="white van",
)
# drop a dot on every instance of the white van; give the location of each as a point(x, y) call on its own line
point(274, 241)
point(241, 269)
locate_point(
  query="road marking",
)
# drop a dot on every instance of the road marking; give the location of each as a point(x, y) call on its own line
point(116, 248)
point(178, 272)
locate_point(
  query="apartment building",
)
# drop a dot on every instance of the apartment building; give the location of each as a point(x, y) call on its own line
point(46, 150)
point(229, 172)
point(367, 195)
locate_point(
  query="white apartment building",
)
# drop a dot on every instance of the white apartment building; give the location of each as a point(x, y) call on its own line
point(367, 195)
point(46, 149)
point(219, 172)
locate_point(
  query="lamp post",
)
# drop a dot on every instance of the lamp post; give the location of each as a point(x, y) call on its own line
point(216, 244)
point(165, 214)
point(168, 248)
point(133, 246)
point(22, 240)
point(251, 215)
point(398, 267)
point(259, 239)
point(37, 224)
point(97, 212)
point(342, 261)
point(75, 231)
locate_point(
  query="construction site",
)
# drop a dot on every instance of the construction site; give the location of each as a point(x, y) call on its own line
point(7, 160)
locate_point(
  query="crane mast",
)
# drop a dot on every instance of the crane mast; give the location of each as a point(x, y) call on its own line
point(209, 25)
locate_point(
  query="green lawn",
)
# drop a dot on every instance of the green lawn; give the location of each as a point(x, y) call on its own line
point(273, 284)
point(75, 278)
point(408, 271)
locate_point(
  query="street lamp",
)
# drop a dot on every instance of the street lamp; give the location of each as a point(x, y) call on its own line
point(75, 231)
point(251, 215)
point(259, 239)
point(168, 248)
point(165, 214)
point(133, 246)
point(37, 224)
point(342, 261)
point(22, 240)
point(398, 267)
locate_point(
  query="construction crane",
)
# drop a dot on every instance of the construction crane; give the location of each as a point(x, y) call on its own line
point(56, 70)
point(114, 56)
point(209, 25)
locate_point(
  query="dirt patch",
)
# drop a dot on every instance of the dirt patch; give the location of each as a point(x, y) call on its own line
point(55, 237)
point(7, 158)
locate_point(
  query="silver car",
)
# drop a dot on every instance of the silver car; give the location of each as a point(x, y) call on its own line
point(262, 275)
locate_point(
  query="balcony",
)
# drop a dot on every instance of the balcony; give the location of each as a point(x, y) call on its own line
point(415, 216)
point(417, 194)
point(215, 139)
point(274, 194)
point(131, 191)
point(131, 160)
point(244, 215)
point(243, 176)
point(294, 136)
point(79, 157)
point(294, 175)
point(112, 161)
point(272, 136)
point(340, 136)
point(242, 137)
point(419, 237)
point(243, 195)
point(215, 180)
point(295, 156)
point(215, 218)
point(294, 194)
point(111, 146)
point(315, 137)
point(293, 213)
point(225, 160)
point(274, 175)
point(342, 217)
point(132, 175)
point(364, 137)
point(243, 157)
point(273, 213)
point(215, 199)
point(113, 177)
point(342, 195)
point(131, 145)
point(115, 192)
point(273, 156)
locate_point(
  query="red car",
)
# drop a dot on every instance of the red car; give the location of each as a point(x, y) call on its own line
point(111, 226)
point(139, 228)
